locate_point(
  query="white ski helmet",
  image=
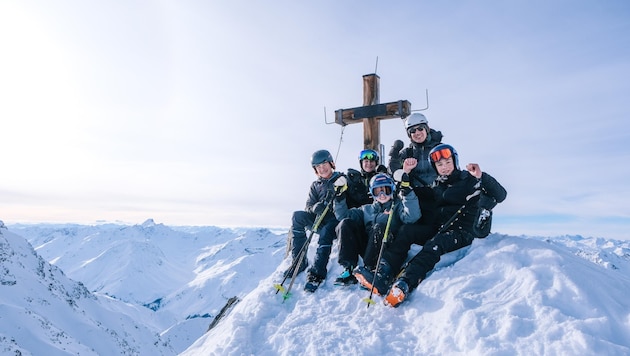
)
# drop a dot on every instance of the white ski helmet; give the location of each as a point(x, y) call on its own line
point(415, 119)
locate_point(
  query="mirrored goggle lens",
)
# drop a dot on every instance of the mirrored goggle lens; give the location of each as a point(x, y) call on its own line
point(443, 153)
point(414, 129)
point(385, 190)
point(367, 154)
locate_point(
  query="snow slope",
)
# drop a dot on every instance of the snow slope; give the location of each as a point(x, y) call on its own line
point(503, 295)
point(42, 312)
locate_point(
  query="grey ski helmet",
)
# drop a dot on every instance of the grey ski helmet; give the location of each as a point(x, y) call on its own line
point(443, 151)
point(320, 157)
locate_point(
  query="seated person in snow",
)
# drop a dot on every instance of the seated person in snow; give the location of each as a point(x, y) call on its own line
point(319, 200)
point(359, 181)
point(361, 230)
point(464, 201)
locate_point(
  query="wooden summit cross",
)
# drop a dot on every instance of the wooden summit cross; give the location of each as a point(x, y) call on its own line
point(372, 112)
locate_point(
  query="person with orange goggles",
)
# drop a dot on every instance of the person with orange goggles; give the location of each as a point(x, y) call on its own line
point(464, 201)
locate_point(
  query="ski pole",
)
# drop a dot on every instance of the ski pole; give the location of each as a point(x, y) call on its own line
point(380, 254)
point(304, 249)
point(296, 261)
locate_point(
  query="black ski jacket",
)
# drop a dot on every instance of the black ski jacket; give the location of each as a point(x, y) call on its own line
point(452, 192)
point(358, 188)
point(322, 191)
point(423, 175)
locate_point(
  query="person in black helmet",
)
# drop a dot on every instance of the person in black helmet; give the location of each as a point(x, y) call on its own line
point(319, 199)
point(351, 230)
point(464, 201)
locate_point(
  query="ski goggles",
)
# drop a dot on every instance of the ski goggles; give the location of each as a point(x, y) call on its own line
point(413, 129)
point(444, 153)
point(382, 190)
point(368, 154)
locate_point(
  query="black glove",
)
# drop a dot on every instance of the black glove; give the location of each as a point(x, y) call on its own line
point(405, 184)
point(395, 150)
point(483, 222)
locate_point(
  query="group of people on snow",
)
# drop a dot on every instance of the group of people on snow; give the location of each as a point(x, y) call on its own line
point(422, 197)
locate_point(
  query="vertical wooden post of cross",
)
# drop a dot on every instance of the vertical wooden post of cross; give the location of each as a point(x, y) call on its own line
point(371, 125)
point(372, 112)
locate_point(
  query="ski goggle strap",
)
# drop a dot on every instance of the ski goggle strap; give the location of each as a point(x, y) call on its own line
point(444, 153)
point(368, 154)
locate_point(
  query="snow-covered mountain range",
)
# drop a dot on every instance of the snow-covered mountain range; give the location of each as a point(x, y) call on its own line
point(151, 289)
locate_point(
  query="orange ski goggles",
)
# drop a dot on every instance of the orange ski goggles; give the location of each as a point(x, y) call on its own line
point(444, 153)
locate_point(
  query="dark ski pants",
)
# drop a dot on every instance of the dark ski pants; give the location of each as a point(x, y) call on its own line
point(352, 242)
point(417, 269)
point(300, 222)
point(408, 234)
point(355, 241)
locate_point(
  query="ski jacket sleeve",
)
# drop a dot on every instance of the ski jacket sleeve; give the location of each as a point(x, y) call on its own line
point(341, 210)
point(491, 187)
point(340, 207)
point(408, 210)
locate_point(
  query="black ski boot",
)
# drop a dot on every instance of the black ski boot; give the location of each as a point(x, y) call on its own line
point(312, 282)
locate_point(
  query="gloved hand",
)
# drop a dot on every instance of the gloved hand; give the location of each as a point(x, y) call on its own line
point(394, 152)
point(319, 207)
point(405, 184)
point(483, 223)
point(341, 185)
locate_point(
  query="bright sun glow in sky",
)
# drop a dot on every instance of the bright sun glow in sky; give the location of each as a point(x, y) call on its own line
point(206, 113)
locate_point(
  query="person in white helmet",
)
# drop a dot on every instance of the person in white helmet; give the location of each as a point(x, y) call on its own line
point(423, 139)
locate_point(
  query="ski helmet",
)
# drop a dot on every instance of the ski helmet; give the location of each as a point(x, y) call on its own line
point(320, 157)
point(443, 151)
point(382, 180)
point(415, 119)
point(368, 154)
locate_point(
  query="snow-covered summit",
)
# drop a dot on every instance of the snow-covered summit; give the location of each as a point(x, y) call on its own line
point(502, 295)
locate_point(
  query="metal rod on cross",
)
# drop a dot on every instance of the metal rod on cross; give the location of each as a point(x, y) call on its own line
point(372, 112)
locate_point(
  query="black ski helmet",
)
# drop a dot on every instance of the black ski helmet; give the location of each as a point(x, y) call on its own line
point(320, 157)
point(443, 151)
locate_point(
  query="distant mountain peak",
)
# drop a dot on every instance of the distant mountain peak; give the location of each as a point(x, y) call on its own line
point(148, 223)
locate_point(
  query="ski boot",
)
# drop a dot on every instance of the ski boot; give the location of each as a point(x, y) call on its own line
point(397, 294)
point(382, 280)
point(312, 282)
point(346, 278)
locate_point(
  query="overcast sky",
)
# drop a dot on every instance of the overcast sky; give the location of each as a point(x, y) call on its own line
point(206, 113)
